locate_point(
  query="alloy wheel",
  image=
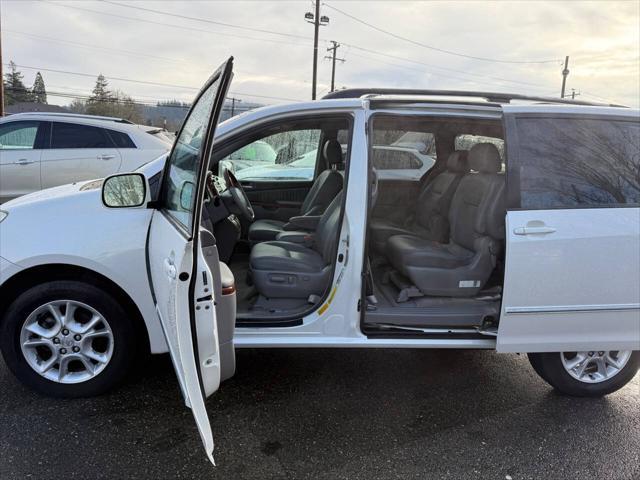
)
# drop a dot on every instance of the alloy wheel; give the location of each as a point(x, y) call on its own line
point(595, 366)
point(66, 341)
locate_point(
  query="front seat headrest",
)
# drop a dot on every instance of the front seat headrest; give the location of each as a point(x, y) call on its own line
point(485, 158)
point(457, 162)
point(332, 152)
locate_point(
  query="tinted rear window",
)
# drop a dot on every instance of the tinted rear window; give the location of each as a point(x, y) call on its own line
point(121, 140)
point(567, 162)
point(70, 135)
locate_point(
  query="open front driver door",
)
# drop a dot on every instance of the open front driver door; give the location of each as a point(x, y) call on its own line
point(181, 280)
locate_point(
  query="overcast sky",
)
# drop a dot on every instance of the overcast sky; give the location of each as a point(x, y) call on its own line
point(89, 37)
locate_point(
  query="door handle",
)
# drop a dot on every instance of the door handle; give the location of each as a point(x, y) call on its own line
point(169, 268)
point(106, 157)
point(24, 161)
point(533, 230)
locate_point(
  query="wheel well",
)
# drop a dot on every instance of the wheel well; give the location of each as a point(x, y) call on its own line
point(45, 273)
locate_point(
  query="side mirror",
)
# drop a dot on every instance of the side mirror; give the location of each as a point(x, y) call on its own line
point(124, 190)
point(186, 195)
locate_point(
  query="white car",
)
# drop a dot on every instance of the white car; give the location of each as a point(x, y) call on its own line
point(391, 162)
point(545, 261)
point(42, 150)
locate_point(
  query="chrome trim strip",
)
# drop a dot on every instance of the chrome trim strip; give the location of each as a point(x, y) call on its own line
point(573, 308)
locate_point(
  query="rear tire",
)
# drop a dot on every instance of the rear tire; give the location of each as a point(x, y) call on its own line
point(68, 339)
point(536, 362)
point(555, 369)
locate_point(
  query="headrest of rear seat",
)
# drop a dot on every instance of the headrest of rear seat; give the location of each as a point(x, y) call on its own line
point(457, 162)
point(485, 158)
point(332, 152)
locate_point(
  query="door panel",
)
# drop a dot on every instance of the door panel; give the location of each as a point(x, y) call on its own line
point(62, 166)
point(277, 200)
point(181, 279)
point(19, 173)
point(19, 159)
point(572, 281)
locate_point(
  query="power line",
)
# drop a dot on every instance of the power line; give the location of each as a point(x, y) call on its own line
point(95, 47)
point(468, 78)
point(145, 82)
point(395, 57)
point(431, 47)
point(132, 53)
point(182, 27)
point(299, 44)
point(205, 20)
point(115, 100)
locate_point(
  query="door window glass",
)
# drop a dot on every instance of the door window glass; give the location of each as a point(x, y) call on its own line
point(70, 135)
point(399, 153)
point(184, 162)
point(121, 140)
point(571, 162)
point(18, 135)
point(466, 141)
point(289, 155)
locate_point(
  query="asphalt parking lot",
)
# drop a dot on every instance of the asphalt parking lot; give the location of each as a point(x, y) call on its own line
point(330, 414)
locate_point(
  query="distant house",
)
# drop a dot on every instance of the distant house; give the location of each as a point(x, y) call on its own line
point(23, 107)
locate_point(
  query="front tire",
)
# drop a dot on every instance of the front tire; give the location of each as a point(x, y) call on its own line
point(68, 339)
point(586, 374)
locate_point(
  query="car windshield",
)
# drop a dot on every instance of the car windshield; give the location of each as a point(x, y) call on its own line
point(255, 152)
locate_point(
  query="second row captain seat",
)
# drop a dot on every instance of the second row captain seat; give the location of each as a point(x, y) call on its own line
point(429, 220)
point(462, 266)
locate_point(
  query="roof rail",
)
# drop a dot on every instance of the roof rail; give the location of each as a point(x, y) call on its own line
point(493, 97)
point(76, 115)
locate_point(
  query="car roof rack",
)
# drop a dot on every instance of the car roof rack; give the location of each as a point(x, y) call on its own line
point(76, 115)
point(493, 97)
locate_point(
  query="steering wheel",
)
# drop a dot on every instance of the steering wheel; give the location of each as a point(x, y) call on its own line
point(239, 196)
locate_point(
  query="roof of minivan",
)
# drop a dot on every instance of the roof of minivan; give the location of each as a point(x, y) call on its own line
point(464, 95)
point(399, 102)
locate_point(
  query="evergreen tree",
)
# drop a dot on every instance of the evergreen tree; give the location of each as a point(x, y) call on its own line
point(15, 90)
point(101, 99)
point(38, 92)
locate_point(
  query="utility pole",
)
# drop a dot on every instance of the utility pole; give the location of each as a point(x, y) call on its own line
point(233, 105)
point(333, 59)
point(318, 21)
point(574, 94)
point(565, 73)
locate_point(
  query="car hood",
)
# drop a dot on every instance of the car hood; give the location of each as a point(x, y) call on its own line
point(51, 194)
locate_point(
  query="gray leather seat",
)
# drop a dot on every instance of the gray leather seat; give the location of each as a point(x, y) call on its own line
point(462, 266)
point(324, 189)
point(290, 270)
point(429, 220)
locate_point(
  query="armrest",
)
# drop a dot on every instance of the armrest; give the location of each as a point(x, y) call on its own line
point(302, 238)
point(306, 222)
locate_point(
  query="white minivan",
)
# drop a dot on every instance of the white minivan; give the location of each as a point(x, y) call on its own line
point(524, 236)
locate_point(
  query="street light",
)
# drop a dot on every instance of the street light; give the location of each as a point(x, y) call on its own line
point(310, 18)
point(318, 21)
